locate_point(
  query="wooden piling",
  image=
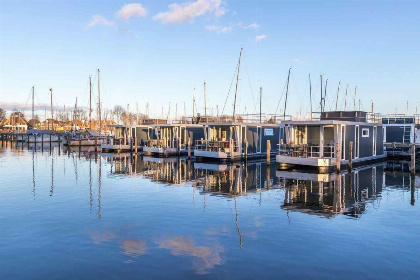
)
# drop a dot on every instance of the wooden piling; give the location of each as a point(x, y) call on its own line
point(246, 149)
point(80, 143)
point(337, 157)
point(189, 148)
point(131, 144)
point(413, 188)
point(135, 145)
point(96, 143)
point(413, 158)
point(350, 165)
point(231, 148)
point(268, 152)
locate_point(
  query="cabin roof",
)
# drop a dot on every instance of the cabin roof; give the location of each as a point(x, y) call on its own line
point(243, 124)
point(329, 122)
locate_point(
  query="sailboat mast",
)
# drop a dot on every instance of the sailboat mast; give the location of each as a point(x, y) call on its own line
point(33, 101)
point(345, 98)
point(287, 92)
point(321, 93)
point(325, 92)
point(260, 102)
point(310, 93)
point(354, 100)
point(237, 81)
point(205, 101)
point(90, 102)
point(52, 114)
point(338, 93)
point(99, 105)
point(193, 114)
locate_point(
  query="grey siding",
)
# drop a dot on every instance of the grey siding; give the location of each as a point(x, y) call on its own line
point(194, 133)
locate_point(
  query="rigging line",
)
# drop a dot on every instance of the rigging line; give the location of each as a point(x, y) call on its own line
point(300, 99)
point(278, 105)
point(252, 92)
point(230, 88)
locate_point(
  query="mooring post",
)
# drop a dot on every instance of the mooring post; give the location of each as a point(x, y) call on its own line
point(80, 142)
point(42, 141)
point(131, 144)
point(50, 139)
point(413, 188)
point(246, 149)
point(96, 143)
point(135, 145)
point(268, 152)
point(189, 148)
point(338, 157)
point(350, 165)
point(231, 148)
point(413, 158)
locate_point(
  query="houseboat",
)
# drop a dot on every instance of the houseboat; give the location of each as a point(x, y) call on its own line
point(38, 136)
point(172, 139)
point(120, 141)
point(313, 143)
point(237, 141)
point(400, 131)
point(87, 137)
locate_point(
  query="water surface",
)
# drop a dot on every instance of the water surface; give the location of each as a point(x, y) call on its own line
point(65, 214)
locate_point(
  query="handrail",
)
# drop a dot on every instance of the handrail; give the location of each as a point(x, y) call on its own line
point(216, 146)
point(307, 151)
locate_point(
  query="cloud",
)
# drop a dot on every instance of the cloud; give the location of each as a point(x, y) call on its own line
point(252, 26)
point(259, 38)
point(100, 20)
point(298, 60)
point(133, 10)
point(188, 11)
point(134, 248)
point(219, 29)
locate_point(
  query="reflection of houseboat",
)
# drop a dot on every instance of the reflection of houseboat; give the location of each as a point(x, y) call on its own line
point(328, 195)
point(313, 143)
point(236, 141)
point(166, 140)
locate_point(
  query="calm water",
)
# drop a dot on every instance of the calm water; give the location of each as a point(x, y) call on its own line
point(84, 216)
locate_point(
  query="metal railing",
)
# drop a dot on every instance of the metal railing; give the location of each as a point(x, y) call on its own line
point(216, 146)
point(307, 151)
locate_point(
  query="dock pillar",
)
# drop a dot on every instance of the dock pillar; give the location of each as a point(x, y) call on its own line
point(135, 145)
point(350, 165)
point(189, 148)
point(96, 143)
point(80, 143)
point(246, 149)
point(131, 144)
point(268, 152)
point(338, 157)
point(42, 141)
point(413, 158)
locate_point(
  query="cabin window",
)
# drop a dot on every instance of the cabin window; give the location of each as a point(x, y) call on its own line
point(356, 142)
point(365, 132)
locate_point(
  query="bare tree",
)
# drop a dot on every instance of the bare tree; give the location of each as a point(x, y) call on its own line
point(2, 114)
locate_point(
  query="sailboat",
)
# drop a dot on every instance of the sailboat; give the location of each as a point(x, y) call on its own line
point(89, 137)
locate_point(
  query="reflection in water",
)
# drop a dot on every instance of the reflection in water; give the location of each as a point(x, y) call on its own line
point(204, 258)
point(133, 247)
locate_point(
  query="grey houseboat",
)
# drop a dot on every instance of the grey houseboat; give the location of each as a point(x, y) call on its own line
point(313, 143)
point(235, 141)
point(172, 139)
point(401, 129)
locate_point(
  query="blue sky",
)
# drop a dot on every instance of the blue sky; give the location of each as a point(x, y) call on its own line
point(156, 53)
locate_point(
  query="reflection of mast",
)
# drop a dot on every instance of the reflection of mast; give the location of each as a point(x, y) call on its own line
point(52, 176)
point(90, 184)
point(33, 171)
point(237, 223)
point(99, 187)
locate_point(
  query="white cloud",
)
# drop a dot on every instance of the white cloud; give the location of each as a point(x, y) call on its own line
point(188, 11)
point(259, 38)
point(100, 20)
point(252, 26)
point(219, 29)
point(132, 11)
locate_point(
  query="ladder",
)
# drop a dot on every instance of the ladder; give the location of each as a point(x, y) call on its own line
point(407, 134)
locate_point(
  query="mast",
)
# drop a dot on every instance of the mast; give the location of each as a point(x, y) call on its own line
point(345, 98)
point(354, 100)
point(338, 93)
point(52, 116)
point(137, 112)
point(99, 105)
point(33, 101)
point(237, 80)
point(310, 93)
point(321, 93)
point(193, 104)
point(325, 92)
point(205, 101)
point(90, 102)
point(260, 102)
point(287, 92)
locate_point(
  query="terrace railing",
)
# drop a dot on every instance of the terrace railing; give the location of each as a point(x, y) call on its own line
point(307, 151)
point(216, 146)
